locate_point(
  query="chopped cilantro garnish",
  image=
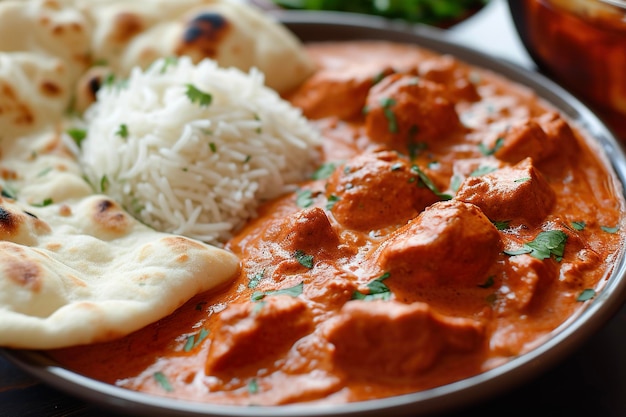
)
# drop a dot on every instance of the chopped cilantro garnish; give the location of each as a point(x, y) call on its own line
point(386, 104)
point(579, 225)
point(294, 291)
point(6, 193)
point(168, 62)
point(163, 381)
point(455, 182)
point(332, 200)
point(377, 290)
point(524, 179)
point(482, 170)
point(396, 167)
point(429, 184)
point(586, 295)
point(253, 386)
point(304, 259)
point(122, 132)
point(44, 203)
point(254, 281)
point(501, 224)
point(490, 151)
point(44, 171)
point(213, 147)
point(197, 96)
point(304, 198)
point(324, 171)
point(104, 183)
point(78, 135)
point(195, 340)
point(415, 148)
point(608, 229)
point(551, 242)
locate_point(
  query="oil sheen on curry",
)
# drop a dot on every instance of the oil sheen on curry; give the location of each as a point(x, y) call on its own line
point(456, 222)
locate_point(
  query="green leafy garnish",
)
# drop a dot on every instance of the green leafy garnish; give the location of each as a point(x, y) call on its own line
point(586, 295)
point(44, 203)
point(546, 244)
point(122, 132)
point(104, 183)
point(168, 62)
point(482, 170)
point(294, 291)
point(253, 386)
point(195, 340)
point(6, 193)
point(77, 135)
point(213, 147)
point(304, 198)
point(501, 224)
point(377, 290)
point(387, 104)
point(332, 200)
point(324, 171)
point(610, 229)
point(163, 381)
point(304, 259)
point(256, 279)
point(415, 148)
point(524, 179)
point(490, 151)
point(197, 96)
point(579, 225)
point(44, 171)
point(429, 184)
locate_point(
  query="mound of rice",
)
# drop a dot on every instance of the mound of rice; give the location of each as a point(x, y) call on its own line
point(193, 149)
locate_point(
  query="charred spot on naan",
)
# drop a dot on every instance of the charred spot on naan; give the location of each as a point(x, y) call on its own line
point(20, 226)
point(203, 35)
point(19, 269)
point(109, 217)
point(11, 107)
point(125, 27)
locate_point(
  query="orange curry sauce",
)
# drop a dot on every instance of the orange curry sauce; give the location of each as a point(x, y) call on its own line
point(455, 224)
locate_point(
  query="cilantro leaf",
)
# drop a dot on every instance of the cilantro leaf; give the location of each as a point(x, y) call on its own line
point(77, 135)
point(546, 244)
point(377, 290)
point(163, 381)
point(304, 198)
point(195, 340)
point(386, 104)
point(501, 224)
point(429, 184)
point(198, 96)
point(324, 171)
point(482, 170)
point(579, 225)
point(253, 386)
point(332, 200)
point(485, 150)
point(608, 229)
point(122, 131)
point(294, 291)
point(586, 295)
point(254, 281)
point(304, 259)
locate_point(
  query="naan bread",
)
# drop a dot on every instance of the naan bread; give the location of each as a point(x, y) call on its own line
point(75, 268)
point(136, 33)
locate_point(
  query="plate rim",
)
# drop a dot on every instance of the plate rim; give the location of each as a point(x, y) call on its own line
point(567, 337)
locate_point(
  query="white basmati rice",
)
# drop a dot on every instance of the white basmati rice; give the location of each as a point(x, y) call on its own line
point(184, 168)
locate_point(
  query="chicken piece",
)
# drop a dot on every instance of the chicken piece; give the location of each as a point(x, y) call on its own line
point(252, 332)
point(339, 94)
point(391, 340)
point(404, 110)
point(524, 140)
point(450, 243)
point(376, 190)
point(519, 194)
point(309, 231)
point(446, 70)
point(528, 279)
